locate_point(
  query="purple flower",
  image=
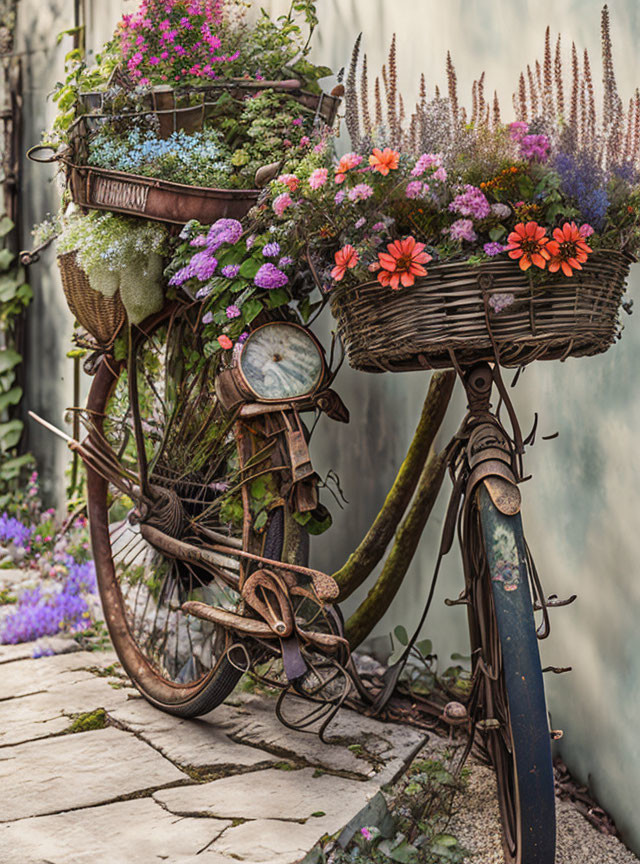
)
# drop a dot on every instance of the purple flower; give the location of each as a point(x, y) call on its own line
point(360, 192)
point(232, 311)
point(251, 239)
point(13, 531)
point(203, 265)
point(340, 196)
point(242, 338)
point(200, 240)
point(379, 226)
point(285, 261)
point(203, 292)
point(472, 202)
point(224, 231)
point(416, 188)
point(182, 275)
point(535, 147)
point(492, 249)
point(498, 302)
point(463, 230)
point(207, 318)
point(518, 130)
point(427, 160)
point(230, 271)
point(270, 250)
point(298, 121)
point(269, 277)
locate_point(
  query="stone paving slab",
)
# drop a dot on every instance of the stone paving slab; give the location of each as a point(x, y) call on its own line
point(145, 833)
point(79, 770)
point(198, 743)
point(25, 677)
point(45, 714)
point(351, 739)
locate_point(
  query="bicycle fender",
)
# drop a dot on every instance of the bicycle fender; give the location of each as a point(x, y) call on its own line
point(499, 482)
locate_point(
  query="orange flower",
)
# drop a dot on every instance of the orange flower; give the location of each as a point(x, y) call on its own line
point(346, 258)
point(225, 342)
point(568, 249)
point(384, 160)
point(528, 243)
point(402, 263)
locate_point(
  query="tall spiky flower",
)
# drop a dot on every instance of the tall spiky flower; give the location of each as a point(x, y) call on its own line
point(628, 139)
point(481, 100)
point(539, 83)
point(496, 107)
point(392, 95)
point(557, 71)
point(364, 97)
point(575, 90)
point(521, 108)
point(533, 93)
point(378, 103)
point(636, 128)
point(474, 103)
point(591, 119)
point(547, 92)
point(612, 105)
point(453, 89)
point(352, 111)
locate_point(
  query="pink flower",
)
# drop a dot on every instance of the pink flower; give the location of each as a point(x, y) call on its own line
point(346, 163)
point(305, 141)
point(427, 160)
point(439, 174)
point(416, 188)
point(290, 181)
point(153, 61)
point(318, 178)
point(586, 230)
point(360, 192)
point(281, 203)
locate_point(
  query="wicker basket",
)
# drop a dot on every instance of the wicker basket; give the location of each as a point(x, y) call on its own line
point(161, 200)
point(102, 316)
point(453, 314)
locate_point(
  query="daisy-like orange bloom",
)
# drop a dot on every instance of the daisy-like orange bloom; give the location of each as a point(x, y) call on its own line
point(384, 160)
point(568, 249)
point(529, 244)
point(402, 263)
point(346, 258)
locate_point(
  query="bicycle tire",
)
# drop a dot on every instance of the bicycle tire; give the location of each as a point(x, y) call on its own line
point(503, 635)
point(181, 699)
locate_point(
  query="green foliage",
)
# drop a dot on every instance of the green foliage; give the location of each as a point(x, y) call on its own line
point(15, 296)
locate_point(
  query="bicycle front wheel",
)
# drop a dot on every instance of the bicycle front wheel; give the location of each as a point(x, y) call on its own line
point(509, 689)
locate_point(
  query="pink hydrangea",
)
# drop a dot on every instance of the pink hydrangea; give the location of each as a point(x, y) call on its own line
point(416, 189)
point(427, 160)
point(586, 230)
point(462, 229)
point(318, 178)
point(360, 192)
point(281, 203)
point(472, 202)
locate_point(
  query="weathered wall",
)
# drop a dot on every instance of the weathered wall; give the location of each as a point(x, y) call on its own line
point(581, 510)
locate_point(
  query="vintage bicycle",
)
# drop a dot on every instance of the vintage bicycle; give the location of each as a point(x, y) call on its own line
point(199, 482)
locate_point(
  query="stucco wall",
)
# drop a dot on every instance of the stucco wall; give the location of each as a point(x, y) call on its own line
point(583, 507)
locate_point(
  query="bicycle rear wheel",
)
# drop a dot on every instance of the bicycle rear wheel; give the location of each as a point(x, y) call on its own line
point(509, 693)
point(180, 664)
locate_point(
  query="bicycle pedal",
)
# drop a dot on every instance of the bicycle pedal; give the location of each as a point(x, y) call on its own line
point(556, 734)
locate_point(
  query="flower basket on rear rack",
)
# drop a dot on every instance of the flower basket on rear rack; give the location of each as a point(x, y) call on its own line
point(462, 314)
point(173, 110)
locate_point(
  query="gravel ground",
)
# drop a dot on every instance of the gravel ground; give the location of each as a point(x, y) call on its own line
point(476, 824)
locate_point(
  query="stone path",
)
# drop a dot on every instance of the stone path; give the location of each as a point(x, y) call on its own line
point(232, 786)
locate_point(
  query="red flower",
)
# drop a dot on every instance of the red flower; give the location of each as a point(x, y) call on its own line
point(346, 258)
point(225, 342)
point(568, 249)
point(528, 243)
point(402, 263)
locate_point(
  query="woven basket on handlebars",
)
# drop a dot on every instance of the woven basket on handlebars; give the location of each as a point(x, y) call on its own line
point(452, 315)
point(102, 316)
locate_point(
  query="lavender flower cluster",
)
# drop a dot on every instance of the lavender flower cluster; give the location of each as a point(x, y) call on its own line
point(40, 614)
point(204, 263)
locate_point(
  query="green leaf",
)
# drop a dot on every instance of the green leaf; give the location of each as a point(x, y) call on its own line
point(9, 285)
point(6, 257)
point(447, 840)
point(404, 853)
point(249, 268)
point(259, 488)
point(11, 469)
point(6, 225)
point(497, 232)
point(10, 434)
point(401, 635)
point(260, 521)
point(11, 397)
point(304, 308)
point(456, 656)
point(9, 359)
point(301, 518)
point(277, 297)
point(251, 310)
point(425, 647)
